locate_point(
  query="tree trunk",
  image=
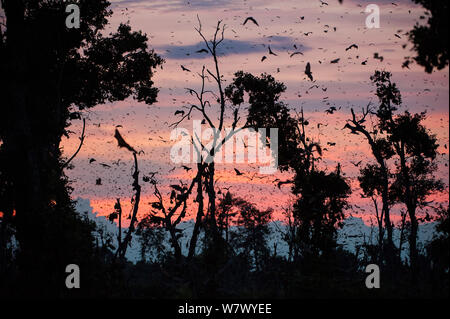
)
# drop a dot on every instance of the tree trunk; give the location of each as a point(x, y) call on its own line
point(411, 207)
point(413, 253)
point(212, 223)
point(198, 221)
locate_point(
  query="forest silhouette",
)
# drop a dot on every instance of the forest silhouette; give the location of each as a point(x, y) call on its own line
point(50, 75)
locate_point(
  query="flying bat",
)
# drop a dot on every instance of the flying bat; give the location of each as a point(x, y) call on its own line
point(352, 46)
point(331, 110)
point(308, 71)
point(252, 20)
point(122, 143)
point(271, 52)
point(295, 53)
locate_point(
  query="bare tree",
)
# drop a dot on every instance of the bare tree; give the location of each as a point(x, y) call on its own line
point(205, 178)
point(79, 146)
point(135, 200)
point(168, 217)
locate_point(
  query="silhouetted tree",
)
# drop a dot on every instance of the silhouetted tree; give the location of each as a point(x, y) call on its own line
point(374, 179)
point(322, 196)
point(264, 93)
point(414, 176)
point(162, 215)
point(319, 209)
point(252, 232)
point(249, 235)
point(135, 200)
point(226, 214)
point(430, 42)
point(402, 138)
point(265, 110)
point(49, 74)
point(438, 251)
point(151, 238)
point(204, 179)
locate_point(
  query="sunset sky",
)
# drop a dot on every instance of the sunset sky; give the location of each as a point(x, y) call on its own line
point(170, 29)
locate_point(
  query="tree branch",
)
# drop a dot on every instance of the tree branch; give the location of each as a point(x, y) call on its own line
point(79, 147)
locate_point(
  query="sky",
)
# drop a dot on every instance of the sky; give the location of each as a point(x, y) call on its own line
point(322, 35)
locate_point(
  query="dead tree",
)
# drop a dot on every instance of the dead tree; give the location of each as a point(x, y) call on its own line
point(82, 137)
point(206, 167)
point(135, 200)
point(166, 216)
